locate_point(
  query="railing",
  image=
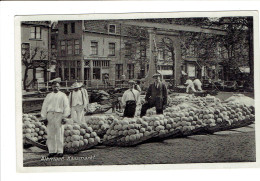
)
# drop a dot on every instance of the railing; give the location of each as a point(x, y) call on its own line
point(91, 84)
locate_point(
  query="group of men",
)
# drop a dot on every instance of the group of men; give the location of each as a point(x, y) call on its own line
point(194, 85)
point(57, 106)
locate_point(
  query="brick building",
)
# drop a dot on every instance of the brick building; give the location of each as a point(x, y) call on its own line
point(90, 49)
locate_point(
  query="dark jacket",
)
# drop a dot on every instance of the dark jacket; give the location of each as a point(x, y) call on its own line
point(157, 96)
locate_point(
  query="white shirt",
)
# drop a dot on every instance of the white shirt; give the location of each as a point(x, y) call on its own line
point(197, 82)
point(85, 92)
point(129, 96)
point(78, 98)
point(189, 82)
point(56, 102)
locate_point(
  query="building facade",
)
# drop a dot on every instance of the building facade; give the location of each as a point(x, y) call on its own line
point(92, 50)
point(35, 46)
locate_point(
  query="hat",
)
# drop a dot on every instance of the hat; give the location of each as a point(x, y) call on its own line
point(76, 85)
point(56, 80)
point(131, 82)
point(81, 84)
point(157, 75)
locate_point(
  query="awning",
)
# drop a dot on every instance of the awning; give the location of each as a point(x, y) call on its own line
point(165, 72)
point(244, 69)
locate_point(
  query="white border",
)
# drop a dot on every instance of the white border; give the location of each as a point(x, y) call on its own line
point(8, 142)
point(20, 168)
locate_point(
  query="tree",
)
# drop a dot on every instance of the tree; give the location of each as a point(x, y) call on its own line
point(29, 61)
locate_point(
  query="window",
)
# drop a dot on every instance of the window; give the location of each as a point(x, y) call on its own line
point(25, 50)
point(119, 70)
point(96, 73)
point(112, 47)
point(112, 29)
point(94, 48)
point(65, 28)
point(66, 73)
point(143, 48)
point(76, 47)
point(63, 47)
point(130, 71)
point(72, 27)
point(69, 47)
point(36, 32)
point(128, 47)
point(72, 73)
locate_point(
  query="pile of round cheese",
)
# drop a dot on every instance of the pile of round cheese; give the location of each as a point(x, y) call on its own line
point(129, 130)
point(79, 135)
point(99, 124)
point(33, 129)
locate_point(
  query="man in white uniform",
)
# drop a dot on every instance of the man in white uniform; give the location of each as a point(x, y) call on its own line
point(197, 83)
point(77, 102)
point(85, 93)
point(130, 99)
point(55, 108)
point(190, 85)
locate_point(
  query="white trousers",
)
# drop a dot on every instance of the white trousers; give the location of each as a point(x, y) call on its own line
point(77, 113)
point(190, 87)
point(55, 132)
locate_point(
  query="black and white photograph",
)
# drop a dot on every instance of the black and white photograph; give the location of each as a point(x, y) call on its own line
point(136, 91)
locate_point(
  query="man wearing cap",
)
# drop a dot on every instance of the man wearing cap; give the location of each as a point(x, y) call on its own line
point(156, 96)
point(190, 85)
point(55, 108)
point(130, 99)
point(77, 102)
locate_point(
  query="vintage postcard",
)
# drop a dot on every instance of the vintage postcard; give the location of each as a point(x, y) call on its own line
point(131, 91)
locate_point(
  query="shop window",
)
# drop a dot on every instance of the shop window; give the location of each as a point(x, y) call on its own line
point(63, 47)
point(112, 49)
point(94, 48)
point(72, 27)
point(36, 32)
point(65, 28)
point(72, 73)
point(69, 47)
point(96, 73)
point(119, 70)
point(130, 71)
point(112, 29)
point(66, 73)
point(76, 47)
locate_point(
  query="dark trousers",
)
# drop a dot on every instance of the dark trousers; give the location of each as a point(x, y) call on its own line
point(148, 106)
point(130, 110)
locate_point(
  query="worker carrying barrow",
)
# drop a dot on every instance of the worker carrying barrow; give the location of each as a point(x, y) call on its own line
point(156, 96)
point(78, 102)
point(197, 84)
point(130, 99)
point(190, 85)
point(54, 109)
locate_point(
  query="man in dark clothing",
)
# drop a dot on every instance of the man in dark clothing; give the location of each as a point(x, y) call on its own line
point(156, 96)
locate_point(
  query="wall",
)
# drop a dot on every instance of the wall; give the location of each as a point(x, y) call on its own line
point(41, 43)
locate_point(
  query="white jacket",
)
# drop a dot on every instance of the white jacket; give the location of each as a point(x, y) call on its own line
point(56, 102)
point(78, 98)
